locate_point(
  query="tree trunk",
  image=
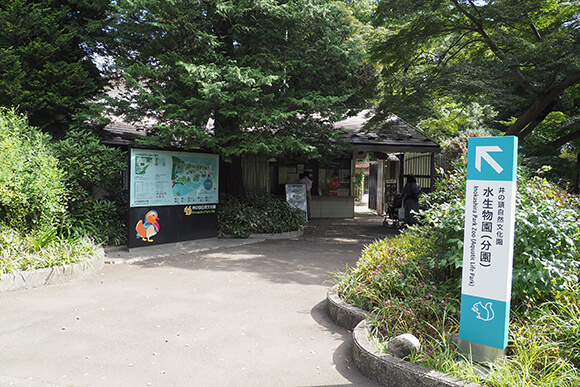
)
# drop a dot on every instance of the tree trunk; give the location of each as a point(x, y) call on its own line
point(538, 108)
point(564, 139)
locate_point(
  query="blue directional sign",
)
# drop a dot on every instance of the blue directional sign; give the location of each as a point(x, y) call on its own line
point(488, 240)
point(492, 158)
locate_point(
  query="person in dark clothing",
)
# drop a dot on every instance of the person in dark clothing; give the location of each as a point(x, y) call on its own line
point(411, 193)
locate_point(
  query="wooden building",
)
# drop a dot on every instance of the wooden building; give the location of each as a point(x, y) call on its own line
point(398, 149)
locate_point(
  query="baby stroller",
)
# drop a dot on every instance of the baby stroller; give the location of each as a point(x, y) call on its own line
point(394, 209)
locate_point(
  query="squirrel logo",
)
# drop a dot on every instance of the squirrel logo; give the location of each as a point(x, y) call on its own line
point(484, 312)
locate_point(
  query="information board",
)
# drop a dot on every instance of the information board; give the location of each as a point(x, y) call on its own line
point(173, 196)
point(296, 196)
point(488, 240)
point(161, 177)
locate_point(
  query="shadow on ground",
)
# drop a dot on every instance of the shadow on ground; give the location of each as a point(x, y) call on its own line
point(327, 246)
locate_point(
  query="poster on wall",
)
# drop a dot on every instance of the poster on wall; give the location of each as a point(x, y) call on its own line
point(173, 196)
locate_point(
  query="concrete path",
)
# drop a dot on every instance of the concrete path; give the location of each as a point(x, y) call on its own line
point(251, 315)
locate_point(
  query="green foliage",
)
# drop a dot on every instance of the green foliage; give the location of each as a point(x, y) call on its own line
point(45, 66)
point(32, 192)
point(392, 279)
point(269, 75)
point(257, 215)
point(454, 152)
point(41, 249)
point(519, 57)
point(93, 174)
point(453, 119)
point(556, 168)
point(359, 186)
point(413, 283)
point(542, 351)
point(546, 241)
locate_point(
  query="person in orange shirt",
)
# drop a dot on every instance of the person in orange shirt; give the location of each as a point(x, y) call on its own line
point(333, 185)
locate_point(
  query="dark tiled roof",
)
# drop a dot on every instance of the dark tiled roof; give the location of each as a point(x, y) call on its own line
point(370, 132)
point(366, 131)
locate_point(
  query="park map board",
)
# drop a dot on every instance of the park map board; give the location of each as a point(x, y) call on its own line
point(168, 178)
point(173, 196)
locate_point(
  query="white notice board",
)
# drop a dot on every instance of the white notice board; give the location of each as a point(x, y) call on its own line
point(296, 196)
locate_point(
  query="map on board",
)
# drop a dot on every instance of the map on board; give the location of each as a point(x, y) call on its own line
point(188, 176)
point(170, 178)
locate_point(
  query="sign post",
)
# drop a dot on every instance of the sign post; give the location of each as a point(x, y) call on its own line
point(488, 247)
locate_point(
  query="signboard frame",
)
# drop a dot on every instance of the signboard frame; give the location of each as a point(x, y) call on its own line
point(173, 196)
point(488, 246)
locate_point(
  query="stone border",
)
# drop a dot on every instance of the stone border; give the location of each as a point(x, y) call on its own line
point(342, 313)
point(381, 367)
point(52, 275)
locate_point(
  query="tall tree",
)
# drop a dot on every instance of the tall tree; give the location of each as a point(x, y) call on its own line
point(268, 75)
point(521, 57)
point(46, 64)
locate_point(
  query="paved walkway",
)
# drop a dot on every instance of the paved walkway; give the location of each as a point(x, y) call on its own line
point(249, 315)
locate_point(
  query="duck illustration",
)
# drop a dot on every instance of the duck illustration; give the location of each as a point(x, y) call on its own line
point(145, 230)
point(484, 312)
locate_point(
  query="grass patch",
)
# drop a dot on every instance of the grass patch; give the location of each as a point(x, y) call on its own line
point(413, 283)
point(394, 280)
point(41, 249)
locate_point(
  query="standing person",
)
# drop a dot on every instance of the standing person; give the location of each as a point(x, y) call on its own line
point(333, 185)
point(411, 197)
point(305, 179)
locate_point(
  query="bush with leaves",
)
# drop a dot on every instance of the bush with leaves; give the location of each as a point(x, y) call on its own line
point(93, 174)
point(40, 249)
point(546, 237)
point(255, 215)
point(413, 283)
point(393, 279)
point(32, 191)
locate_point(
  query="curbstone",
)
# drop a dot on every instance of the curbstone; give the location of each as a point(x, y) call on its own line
point(392, 371)
point(279, 235)
point(381, 367)
point(29, 279)
point(344, 314)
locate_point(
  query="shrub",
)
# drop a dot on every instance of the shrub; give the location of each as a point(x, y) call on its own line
point(257, 215)
point(96, 202)
point(32, 192)
point(393, 279)
point(546, 237)
point(413, 283)
point(41, 249)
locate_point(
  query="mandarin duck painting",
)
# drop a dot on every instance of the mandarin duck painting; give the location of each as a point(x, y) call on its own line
point(148, 227)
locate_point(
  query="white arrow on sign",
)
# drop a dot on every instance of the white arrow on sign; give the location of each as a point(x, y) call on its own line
point(482, 152)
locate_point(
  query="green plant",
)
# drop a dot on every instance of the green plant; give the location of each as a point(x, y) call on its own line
point(257, 215)
point(546, 240)
point(96, 200)
point(32, 192)
point(412, 282)
point(359, 186)
point(41, 249)
point(392, 279)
